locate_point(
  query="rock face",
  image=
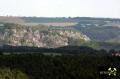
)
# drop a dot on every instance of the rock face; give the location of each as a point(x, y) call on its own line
point(27, 36)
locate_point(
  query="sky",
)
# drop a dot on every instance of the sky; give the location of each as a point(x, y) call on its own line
point(61, 8)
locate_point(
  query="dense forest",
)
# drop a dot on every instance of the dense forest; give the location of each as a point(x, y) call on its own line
point(83, 65)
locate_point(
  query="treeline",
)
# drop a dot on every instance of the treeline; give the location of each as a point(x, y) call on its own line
point(66, 49)
point(61, 50)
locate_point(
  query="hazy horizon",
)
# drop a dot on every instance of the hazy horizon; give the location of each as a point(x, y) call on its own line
point(61, 8)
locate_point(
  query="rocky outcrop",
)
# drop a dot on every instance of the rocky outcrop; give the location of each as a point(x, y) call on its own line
point(27, 36)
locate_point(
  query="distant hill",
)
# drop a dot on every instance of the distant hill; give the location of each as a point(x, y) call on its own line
point(56, 19)
point(99, 30)
point(11, 19)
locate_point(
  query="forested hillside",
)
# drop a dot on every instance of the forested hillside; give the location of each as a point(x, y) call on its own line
point(38, 66)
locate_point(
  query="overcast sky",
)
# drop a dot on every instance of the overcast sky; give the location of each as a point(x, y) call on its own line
point(61, 8)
